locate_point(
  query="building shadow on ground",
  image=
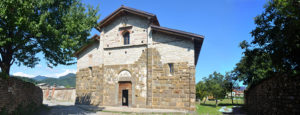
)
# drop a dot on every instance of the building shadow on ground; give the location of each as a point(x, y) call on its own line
point(65, 110)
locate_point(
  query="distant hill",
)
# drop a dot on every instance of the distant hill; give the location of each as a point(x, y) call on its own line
point(27, 79)
point(39, 78)
point(68, 80)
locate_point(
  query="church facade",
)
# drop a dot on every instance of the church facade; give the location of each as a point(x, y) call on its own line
point(135, 62)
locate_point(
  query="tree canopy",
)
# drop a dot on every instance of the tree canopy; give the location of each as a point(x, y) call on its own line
point(54, 27)
point(201, 90)
point(215, 84)
point(276, 44)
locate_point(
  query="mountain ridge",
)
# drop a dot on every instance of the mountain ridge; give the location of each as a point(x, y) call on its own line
point(39, 77)
point(68, 80)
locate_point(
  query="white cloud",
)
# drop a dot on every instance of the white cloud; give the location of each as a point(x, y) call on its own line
point(23, 74)
point(54, 75)
point(66, 71)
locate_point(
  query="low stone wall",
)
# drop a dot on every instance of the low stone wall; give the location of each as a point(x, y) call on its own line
point(275, 95)
point(60, 94)
point(16, 93)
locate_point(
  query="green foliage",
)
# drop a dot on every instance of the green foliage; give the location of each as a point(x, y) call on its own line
point(278, 34)
point(253, 67)
point(231, 83)
point(57, 28)
point(68, 86)
point(68, 80)
point(201, 90)
point(216, 85)
point(209, 107)
point(4, 75)
point(276, 44)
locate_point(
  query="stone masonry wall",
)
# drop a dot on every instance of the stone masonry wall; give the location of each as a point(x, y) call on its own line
point(146, 65)
point(138, 76)
point(17, 93)
point(173, 48)
point(175, 91)
point(89, 88)
point(277, 95)
point(90, 57)
point(60, 94)
point(112, 35)
point(164, 91)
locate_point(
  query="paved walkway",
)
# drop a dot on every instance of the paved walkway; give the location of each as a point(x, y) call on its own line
point(66, 108)
point(129, 109)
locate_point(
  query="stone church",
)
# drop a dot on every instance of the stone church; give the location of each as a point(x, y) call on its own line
point(137, 63)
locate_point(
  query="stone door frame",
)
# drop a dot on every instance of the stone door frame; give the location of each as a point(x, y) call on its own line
point(122, 85)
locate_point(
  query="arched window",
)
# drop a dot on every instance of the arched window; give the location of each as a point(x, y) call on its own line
point(126, 38)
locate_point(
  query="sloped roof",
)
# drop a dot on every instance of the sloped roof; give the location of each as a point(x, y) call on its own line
point(124, 9)
point(176, 32)
point(91, 40)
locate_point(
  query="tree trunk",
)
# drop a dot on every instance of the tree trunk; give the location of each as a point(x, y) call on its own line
point(6, 62)
point(205, 99)
point(216, 102)
point(231, 98)
point(5, 68)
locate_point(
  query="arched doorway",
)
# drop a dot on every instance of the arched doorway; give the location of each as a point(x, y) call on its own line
point(125, 88)
point(125, 93)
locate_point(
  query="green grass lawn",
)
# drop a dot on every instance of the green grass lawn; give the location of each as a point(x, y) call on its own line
point(210, 106)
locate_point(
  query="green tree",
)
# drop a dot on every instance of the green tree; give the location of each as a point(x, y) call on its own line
point(278, 34)
point(253, 67)
point(231, 83)
point(54, 27)
point(276, 44)
point(201, 91)
point(216, 86)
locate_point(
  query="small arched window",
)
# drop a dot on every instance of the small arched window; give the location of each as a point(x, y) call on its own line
point(126, 38)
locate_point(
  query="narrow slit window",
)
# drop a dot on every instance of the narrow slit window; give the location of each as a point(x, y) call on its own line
point(91, 71)
point(126, 37)
point(171, 68)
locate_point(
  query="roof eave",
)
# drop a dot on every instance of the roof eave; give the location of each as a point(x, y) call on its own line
point(177, 32)
point(95, 38)
point(126, 9)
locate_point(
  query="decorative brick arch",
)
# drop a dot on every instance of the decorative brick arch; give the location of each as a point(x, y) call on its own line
point(125, 75)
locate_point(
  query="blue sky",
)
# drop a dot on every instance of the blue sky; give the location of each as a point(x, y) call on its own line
point(224, 23)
